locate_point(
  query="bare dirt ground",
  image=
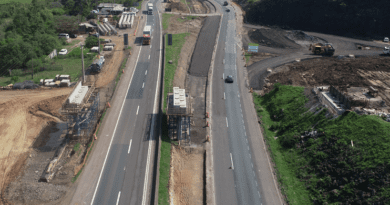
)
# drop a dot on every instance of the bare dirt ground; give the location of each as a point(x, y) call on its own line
point(22, 116)
point(176, 26)
point(343, 73)
point(115, 57)
point(255, 57)
point(186, 176)
point(187, 6)
point(35, 116)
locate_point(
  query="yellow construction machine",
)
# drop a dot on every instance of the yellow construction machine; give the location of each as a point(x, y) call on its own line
point(322, 49)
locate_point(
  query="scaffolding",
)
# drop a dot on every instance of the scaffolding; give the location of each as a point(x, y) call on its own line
point(82, 117)
point(179, 114)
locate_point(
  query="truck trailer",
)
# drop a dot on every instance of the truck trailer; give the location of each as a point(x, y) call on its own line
point(147, 33)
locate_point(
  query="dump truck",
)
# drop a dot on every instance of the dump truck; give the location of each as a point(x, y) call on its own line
point(150, 8)
point(146, 35)
point(322, 49)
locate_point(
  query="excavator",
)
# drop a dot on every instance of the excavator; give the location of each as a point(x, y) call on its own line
point(322, 49)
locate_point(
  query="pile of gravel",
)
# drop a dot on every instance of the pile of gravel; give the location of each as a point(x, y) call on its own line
point(28, 84)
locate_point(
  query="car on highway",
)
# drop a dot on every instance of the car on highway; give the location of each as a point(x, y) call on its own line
point(386, 40)
point(229, 79)
point(63, 52)
point(227, 10)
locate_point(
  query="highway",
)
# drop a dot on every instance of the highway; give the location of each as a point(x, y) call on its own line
point(123, 178)
point(240, 184)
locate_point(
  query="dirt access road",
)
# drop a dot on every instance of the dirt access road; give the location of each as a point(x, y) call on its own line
point(23, 114)
point(293, 45)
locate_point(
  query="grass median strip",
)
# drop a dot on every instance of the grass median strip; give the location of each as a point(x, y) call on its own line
point(165, 21)
point(172, 52)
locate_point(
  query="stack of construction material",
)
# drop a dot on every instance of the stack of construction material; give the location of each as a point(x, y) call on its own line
point(95, 49)
point(28, 84)
point(107, 41)
point(110, 44)
point(111, 27)
point(65, 83)
point(108, 48)
point(46, 82)
point(126, 20)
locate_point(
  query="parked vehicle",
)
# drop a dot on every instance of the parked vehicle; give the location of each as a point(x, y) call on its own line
point(63, 35)
point(73, 35)
point(386, 39)
point(225, 3)
point(63, 52)
point(227, 10)
point(386, 51)
point(146, 35)
point(229, 79)
point(97, 65)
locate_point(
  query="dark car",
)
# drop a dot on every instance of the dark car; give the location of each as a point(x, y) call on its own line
point(227, 10)
point(95, 34)
point(229, 79)
point(73, 35)
point(225, 3)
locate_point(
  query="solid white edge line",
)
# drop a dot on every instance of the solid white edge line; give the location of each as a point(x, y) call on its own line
point(154, 118)
point(137, 110)
point(231, 158)
point(227, 125)
point(119, 196)
point(109, 147)
point(128, 152)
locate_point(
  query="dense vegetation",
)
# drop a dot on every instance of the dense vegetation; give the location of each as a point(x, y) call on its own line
point(30, 31)
point(359, 18)
point(332, 170)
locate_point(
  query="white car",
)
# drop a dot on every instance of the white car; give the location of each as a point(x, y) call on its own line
point(386, 40)
point(63, 52)
point(386, 51)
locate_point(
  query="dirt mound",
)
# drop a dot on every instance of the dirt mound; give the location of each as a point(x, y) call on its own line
point(272, 38)
point(302, 38)
point(359, 72)
point(178, 7)
point(20, 125)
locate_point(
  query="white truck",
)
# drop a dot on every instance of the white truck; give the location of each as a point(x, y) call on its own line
point(150, 8)
point(386, 51)
point(147, 33)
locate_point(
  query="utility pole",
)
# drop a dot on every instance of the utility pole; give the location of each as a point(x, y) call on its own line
point(32, 69)
point(82, 59)
point(98, 41)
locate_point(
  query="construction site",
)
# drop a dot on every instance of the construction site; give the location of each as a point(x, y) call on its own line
point(58, 123)
point(358, 84)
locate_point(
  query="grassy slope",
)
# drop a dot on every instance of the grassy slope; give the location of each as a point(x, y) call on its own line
point(171, 53)
point(8, 1)
point(291, 161)
point(71, 66)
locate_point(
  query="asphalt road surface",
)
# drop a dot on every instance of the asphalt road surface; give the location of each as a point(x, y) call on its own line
point(239, 184)
point(122, 180)
point(201, 58)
